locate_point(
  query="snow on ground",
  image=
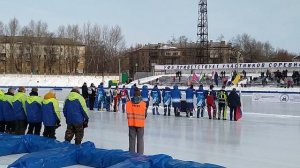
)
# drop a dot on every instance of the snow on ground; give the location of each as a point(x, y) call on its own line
point(52, 80)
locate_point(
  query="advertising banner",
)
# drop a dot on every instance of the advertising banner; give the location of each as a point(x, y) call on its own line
point(276, 97)
point(262, 65)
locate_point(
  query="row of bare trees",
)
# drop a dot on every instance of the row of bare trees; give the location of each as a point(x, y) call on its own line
point(256, 51)
point(103, 47)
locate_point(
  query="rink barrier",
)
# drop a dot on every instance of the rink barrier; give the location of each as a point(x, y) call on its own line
point(45, 152)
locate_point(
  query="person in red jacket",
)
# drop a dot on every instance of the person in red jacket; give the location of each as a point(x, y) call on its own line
point(136, 116)
point(211, 97)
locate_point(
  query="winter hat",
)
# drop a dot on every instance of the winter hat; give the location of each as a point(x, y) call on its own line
point(21, 89)
point(49, 95)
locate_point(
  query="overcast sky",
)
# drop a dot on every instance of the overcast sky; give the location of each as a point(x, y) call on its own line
point(154, 21)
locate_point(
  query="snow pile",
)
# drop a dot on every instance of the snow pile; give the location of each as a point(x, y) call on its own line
point(52, 80)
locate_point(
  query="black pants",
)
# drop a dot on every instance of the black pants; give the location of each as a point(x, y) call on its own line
point(34, 128)
point(76, 130)
point(233, 109)
point(92, 102)
point(49, 132)
point(136, 134)
point(167, 109)
point(10, 127)
point(21, 126)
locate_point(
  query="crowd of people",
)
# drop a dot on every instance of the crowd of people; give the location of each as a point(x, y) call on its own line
point(20, 113)
point(168, 98)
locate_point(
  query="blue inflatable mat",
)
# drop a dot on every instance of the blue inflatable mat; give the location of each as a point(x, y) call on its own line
point(11, 145)
point(106, 158)
point(44, 152)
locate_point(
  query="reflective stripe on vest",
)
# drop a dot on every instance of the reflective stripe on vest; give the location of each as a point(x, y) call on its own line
point(136, 114)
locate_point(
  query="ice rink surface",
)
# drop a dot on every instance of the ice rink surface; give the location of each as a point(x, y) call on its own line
point(267, 136)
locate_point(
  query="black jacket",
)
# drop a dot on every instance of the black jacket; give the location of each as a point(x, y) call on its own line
point(234, 100)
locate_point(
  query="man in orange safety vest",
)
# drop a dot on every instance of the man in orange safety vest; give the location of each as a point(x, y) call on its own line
point(136, 121)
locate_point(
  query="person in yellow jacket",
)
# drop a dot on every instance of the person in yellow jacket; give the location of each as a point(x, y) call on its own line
point(136, 121)
point(50, 115)
point(18, 103)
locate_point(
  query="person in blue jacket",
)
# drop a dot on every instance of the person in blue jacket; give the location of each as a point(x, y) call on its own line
point(190, 100)
point(176, 97)
point(166, 95)
point(132, 91)
point(100, 97)
point(156, 99)
point(76, 114)
point(19, 108)
point(50, 115)
point(2, 122)
point(145, 96)
point(8, 111)
point(200, 94)
point(33, 108)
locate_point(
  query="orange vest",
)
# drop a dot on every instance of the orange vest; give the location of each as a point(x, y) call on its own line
point(136, 114)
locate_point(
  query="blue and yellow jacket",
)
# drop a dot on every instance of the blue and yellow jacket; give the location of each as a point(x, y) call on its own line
point(18, 103)
point(1, 110)
point(7, 108)
point(75, 109)
point(50, 112)
point(33, 108)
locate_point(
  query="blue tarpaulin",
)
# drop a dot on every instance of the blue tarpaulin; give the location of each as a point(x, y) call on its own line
point(45, 152)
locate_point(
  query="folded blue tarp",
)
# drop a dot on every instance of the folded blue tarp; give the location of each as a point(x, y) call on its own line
point(44, 152)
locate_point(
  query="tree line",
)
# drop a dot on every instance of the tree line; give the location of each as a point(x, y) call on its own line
point(103, 46)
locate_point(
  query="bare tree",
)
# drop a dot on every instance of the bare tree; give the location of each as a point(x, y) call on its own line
point(12, 30)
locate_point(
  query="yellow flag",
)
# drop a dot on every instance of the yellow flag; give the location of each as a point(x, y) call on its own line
point(237, 79)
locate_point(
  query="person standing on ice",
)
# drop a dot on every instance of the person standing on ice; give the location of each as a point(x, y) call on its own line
point(132, 91)
point(145, 96)
point(8, 111)
point(200, 94)
point(108, 98)
point(19, 109)
point(34, 112)
point(176, 97)
point(84, 91)
point(136, 122)
point(190, 100)
point(92, 96)
point(50, 115)
point(116, 95)
point(211, 97)
point(166, 95)
point(76, 114)
point(156, 99)
point(222, 101)
point(124, 97)
point(100, 97)
point(233, 102)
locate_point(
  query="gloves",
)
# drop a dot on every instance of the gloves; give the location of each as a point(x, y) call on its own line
point(85, 123)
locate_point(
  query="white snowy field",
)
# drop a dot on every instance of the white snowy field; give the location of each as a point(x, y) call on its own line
point(267, 135)
point(52, 80)
point(254, 141)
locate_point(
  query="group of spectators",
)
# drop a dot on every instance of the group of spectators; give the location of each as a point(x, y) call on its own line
point(20, 113)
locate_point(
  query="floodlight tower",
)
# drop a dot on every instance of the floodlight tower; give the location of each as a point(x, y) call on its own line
point(202, 33)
